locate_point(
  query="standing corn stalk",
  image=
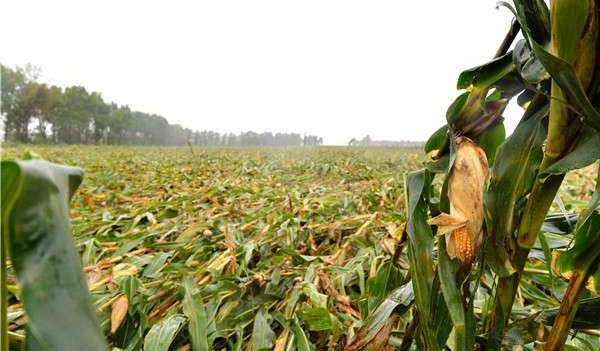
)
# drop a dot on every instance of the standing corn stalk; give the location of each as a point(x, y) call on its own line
point(555, 75)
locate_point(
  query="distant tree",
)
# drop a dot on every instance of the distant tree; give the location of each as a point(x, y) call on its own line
point(20, 101)
point(366, 141)
point(99, 117)
point(76, 118)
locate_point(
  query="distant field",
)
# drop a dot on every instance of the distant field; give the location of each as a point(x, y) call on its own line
point(270, 236)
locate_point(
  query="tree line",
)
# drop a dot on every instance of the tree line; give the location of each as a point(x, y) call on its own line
point(366, 141)
point(34, 112)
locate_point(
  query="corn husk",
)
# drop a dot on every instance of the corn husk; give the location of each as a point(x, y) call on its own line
point(462, 227)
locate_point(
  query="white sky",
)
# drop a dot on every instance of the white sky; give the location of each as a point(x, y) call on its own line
point(338, 69)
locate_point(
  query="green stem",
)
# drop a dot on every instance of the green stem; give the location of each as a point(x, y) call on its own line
point(3, 294)
point(570, 302)
point(504, 298)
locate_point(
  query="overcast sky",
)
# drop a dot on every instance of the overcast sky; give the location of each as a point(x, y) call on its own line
point(338, 69)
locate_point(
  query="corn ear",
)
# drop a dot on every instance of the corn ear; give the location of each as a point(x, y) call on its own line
point(462, 227)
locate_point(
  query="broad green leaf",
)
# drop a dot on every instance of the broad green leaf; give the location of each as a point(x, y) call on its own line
point(453, 112)
point(194, 310)
point(584, 154)
point(486, 75)
point(494, 96)
point(513, 174)
point(448, 282)
point(302, 342)
point(564, 75)
point(387, 279)
point(542, 239)
point(420, 248)
point(507, 87)
point(317, 299)
point(441, 321)
point(586, 246)
point(530, 68)
point(403, 296)
point(162, 334)
point(525, 98)
point(130, 285)
point(438, 166)
point(437, 139)
point(317, 318)
point(558, 223)
point(586, 316)
point(35, 220)
point(491, 140)
point(262, 334)
point(534, 17)
point(156, 265)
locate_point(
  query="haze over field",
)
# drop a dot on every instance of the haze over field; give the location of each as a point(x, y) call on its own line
point(336, 69)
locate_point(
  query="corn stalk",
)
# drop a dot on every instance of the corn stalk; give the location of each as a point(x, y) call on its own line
point(554, 72)
point(572, 21)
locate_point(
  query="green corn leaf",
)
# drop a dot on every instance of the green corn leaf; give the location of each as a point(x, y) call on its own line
point(438, 166)
point(441, 322)
point(525, 98)
point(162, 334)
point(317, 318)
point(513, 174)
point(586, 246)
point(491, 140)
point(507, 87)
point(194, 310)
point(387, 279)
point(420, 248)
point(564, 75)
point(530, 68)
point(586, 316)
point(453, 111)
point(484, 76)
point(302, 342)
point(586, 152)
point(437, 139)
point(129, 285)
point(534, 17)
point(559, 223)
point(402, 296)
point(35, 224)
point(494, 96)
point(262, 334)
point(448, 283)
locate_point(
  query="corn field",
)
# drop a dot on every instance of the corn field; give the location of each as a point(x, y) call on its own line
point(480, 241)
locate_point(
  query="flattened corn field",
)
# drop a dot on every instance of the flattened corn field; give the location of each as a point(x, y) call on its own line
point(279, 248)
